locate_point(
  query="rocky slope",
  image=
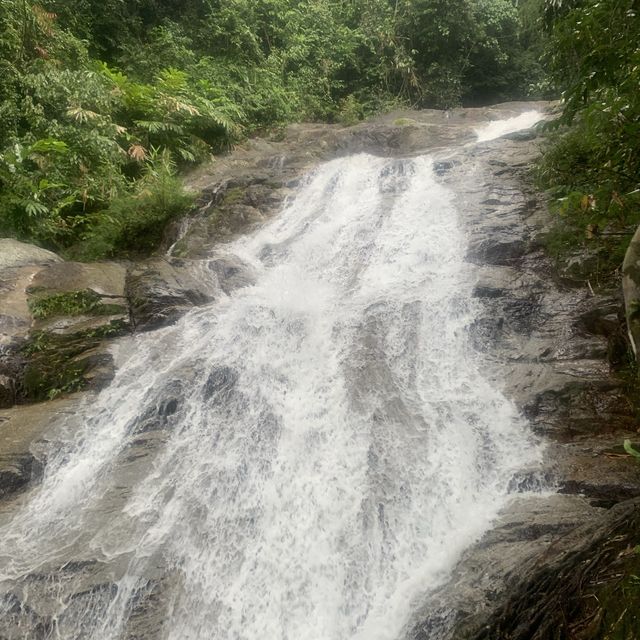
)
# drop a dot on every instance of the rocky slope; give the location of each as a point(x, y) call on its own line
point(550, 341)
point(546, 570)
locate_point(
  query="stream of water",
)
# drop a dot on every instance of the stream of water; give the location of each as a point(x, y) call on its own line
point(304, 459)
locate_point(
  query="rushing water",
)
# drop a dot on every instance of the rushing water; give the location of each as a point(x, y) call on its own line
point(301, 460)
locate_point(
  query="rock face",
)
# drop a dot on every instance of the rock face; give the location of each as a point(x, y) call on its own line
point(14, 254)
point(21, 429)
point(246, 188)
point(558, 345)
point(58, 316)
point(561, 598)
point(19, 263)
point(160, 290)
point(49, 344)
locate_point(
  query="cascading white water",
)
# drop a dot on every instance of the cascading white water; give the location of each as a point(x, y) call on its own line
point(303, 459)
point(499, 128)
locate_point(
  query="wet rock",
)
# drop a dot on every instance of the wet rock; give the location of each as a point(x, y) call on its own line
point(550, 341)
point(231, 273)
point(233, 206)
point(97, 367)
point(443, 166)
point(12, 364)
point(159, 416)
point(555, 344)
point(522, 136)
point(601, 495)
point(161, 290)
point(523, 313)
point(42, 357)
point(95, 600)
point(482, 580)
point(602, 320)
point(16, 617)
point(220, 384)
point(14, 253)
point(249, 186)
point(487, 292)
point(17, 471)
point(149, 606)
point(57, 599)
point(56, 364)
point(105, 278)
point(20, 429)
point(15, 324)
point(578, 408)
point(490, 251)
point(556, 598)
point(486, 332)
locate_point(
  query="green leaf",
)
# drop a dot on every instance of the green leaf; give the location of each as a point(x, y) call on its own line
point(35, 209)
point(630, 450)
point(49, 145)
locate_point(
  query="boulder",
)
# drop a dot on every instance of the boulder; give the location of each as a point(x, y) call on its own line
point(106, 281)
point(14, 253)
point(105, 278)
point(161, 290)
point(20, 429)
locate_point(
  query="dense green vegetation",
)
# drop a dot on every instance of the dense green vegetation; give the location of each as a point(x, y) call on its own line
point(102, 103)
point(592, 165)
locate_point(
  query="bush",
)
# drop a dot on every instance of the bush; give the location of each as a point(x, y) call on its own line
point(134, 223)
point(591, 165)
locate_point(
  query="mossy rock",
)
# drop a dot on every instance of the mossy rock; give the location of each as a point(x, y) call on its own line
point(403, 122)
point(72, 303)
point(60, 364)
point(233, 196)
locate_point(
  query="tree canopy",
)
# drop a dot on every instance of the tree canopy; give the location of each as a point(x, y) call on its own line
point(96, 96)
point(593, 162)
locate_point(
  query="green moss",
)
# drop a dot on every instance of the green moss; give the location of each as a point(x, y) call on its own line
point(110, 310)
point(403, 122)
point(53, 367)
point(233, 196)
point(49, 383)
point(68, 303)
point(72, 303)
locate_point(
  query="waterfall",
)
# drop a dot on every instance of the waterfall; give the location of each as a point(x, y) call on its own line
point(303, 459)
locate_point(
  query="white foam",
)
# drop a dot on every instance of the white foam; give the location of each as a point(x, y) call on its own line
point(499, 128)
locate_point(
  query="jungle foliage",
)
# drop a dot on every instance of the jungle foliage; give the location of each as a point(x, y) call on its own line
point(592, 165)
point(102, 103)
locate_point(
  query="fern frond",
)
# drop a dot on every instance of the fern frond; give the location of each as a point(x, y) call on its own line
point(157, 126)
point(82, 115)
